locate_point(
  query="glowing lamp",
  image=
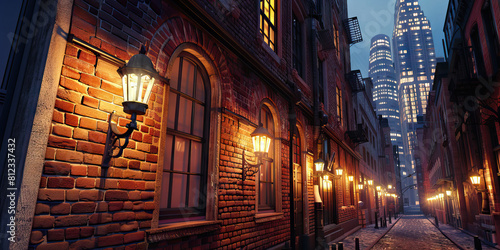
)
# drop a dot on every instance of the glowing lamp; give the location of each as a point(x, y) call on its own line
point(319, 164)
point(339, 171)
point(441, 195)
point(378, 188)
point(370, 182)
point(261, 139)
point(350, 178)
point(475, 178)
point(389, 186)
point(379, 193)
point(138, 77)
point(360, 186)
point(448, 192)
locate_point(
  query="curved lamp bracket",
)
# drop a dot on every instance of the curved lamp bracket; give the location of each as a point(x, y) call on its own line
point(250, 168)
point(113, 138)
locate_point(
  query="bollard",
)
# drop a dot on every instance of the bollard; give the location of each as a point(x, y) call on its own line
point(436, 221)
point(376, 220)
point(477, 243)
point(390, 220)
point(381, 222)
point(340, 246)
point(356, 240)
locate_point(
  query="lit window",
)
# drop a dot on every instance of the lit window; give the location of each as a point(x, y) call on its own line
point(268, 22)
point(266, 177)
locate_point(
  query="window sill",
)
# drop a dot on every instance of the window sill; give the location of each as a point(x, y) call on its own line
point(181, 229)
point(271, 52)
point(265, 217)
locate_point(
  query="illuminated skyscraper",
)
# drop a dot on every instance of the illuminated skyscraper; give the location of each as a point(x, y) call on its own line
point(414, 62)
point(385, 87)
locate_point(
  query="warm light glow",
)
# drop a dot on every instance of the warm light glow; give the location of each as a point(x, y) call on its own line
point(448, 192)
point(350, 178)
point(475, 179)
point(360, 186)
point(370, 182)
point(394, 195)
point(339, 171)
point(261, 139)
point(441, 195)
point(326, 177)
point(319, 164)
point(378, 188)
point(379, 193)
point(389, 186)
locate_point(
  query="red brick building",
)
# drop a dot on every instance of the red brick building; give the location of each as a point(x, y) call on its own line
point(461, 136)
point(182, 181)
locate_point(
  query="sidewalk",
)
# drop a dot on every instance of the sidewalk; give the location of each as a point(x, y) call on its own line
point(368, 236)
point(459, 237)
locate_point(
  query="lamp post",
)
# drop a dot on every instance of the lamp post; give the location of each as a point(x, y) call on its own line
point(475, 179)
point(138, 77)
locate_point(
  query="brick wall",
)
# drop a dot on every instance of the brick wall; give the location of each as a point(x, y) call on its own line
point(82, 205)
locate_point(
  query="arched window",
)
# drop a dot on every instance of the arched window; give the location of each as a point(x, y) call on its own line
point(267, 173)
point(297, 183)
point(185, 168)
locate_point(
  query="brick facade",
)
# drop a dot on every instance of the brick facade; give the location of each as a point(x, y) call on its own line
point(82, 205)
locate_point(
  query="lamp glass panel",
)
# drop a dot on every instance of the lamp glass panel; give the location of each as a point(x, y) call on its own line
point(133, 82)
point(476, 179)
point(124, 88)
point(448, 192)
point(360, 186)
point(319, 166)
point(378, 188)
point(268, 144)
point(255, 141)
point(148, 83)
point(339, 171)
point(351, 178)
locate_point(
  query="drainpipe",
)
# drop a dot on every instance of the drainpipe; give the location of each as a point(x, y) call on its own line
point(293, 124)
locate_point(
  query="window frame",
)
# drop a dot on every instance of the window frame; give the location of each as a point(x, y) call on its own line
point(276, 163)
point(274, 27)
point(179, 214)
point(211, 215)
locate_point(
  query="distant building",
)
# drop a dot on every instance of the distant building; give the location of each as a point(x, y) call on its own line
point(385, 89)
point(414, 62)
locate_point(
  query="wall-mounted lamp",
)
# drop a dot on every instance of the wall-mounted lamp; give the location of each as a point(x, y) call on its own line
point(339, 171)
point(319, 165)
point(138, 77)
point(261, 139)
point(389, 186)
point(378, 188)
point(448, 192)
point(475, 179)
point(360, 186)
point(350, 178)
point(379, 194)
point(370, 182)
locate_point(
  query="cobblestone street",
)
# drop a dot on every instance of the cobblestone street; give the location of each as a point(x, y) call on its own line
point(414, 232)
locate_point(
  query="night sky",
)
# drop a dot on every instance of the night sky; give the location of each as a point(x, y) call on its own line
point(377, 17)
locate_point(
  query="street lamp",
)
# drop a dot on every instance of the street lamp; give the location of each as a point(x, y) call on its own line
point(138, 77)
point(261, 139)
point(370, 182)
point(378, 188)
point(475, 179)
point(320, 166)
point(448, 192)
point(360, 186)
point(339, 171)
point(350, 178)
point(389, 186)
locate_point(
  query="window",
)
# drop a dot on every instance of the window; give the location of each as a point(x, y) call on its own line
point(297, 183)
point(266, 185)
point(268, 24)
point(477, 52)
point(491, 35)
point(336, 38)
point(339, 106)
point(297, 45)
point(185, 169)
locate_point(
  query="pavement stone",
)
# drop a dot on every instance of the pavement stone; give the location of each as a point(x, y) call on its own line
point(414, 232)
point(466, 241)
point(367, 236)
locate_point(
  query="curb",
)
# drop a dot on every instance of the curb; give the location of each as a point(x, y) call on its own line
point(456, 244)
point(388, 229)
point(460, 246)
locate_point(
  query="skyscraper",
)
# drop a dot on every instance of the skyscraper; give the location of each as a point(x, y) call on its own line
point(385, 88)
point(414, 63)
